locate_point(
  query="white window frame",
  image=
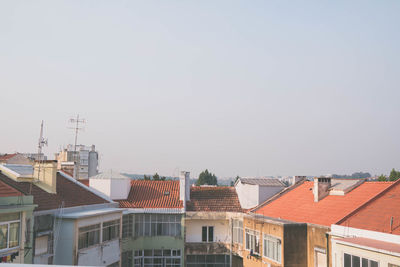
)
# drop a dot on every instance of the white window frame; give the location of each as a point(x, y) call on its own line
point(361, 258)
point(142, 258)
point(8, 223)
point(99, 228)
point(208, 233)
point(238, 232)
point(147, 229)
point(116, 223)
point(256, 235)
point(272, 238)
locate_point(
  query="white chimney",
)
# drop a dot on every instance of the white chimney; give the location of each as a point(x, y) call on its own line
point(321, 188)
point(184, 187)
point(297, 179)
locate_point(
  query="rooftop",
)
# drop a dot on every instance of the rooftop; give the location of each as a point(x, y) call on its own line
point(376, 214)
point(298, 204)
point(262, 181)
point(7, 156)
point(221, 198)
point(8, 191)
point(371, 243)
point(70, 193)
point(110, 174)
point(152, 194)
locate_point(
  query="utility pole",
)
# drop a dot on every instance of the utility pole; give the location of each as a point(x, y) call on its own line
point(76, 121)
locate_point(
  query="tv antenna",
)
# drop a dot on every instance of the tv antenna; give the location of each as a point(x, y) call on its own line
point(41, 143)
point(76, 121)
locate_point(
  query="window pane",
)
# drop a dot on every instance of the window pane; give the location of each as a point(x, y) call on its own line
point(375, 264)
point(3, 236)
point(347, 260)
point(204, 233)
point(9, 217)
point(364, 262)
point(210, 233)
point(14, 234)
point(355, 261)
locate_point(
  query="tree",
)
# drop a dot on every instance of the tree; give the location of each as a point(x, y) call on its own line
point(145, 177)
point(163, 178)
point(382, 178)
point(156, 177)
point(394, 175)
point(236, 179)
point(207, 178)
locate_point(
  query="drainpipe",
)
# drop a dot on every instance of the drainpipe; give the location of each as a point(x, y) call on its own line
point(327, 249)
point(230, 250)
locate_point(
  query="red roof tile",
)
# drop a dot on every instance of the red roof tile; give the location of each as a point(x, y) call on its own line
point(70, 193)
point(152, 194)
point(7, 156)
point(376, 214)
point(298, 204)
point(8, 191)
point(372, 243)
point(223, 198)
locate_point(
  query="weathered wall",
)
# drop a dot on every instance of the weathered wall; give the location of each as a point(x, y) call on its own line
point(316, 240)
point(295, 245)
point(247, 194)
point(270, 228)
point(194, 230)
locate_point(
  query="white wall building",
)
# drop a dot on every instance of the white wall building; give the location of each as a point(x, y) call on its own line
point(254, 191)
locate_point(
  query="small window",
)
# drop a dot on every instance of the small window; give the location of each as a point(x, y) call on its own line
point(207, 233)
point(356, 261)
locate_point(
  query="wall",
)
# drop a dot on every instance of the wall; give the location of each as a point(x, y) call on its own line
point(65, 239)
point(264, 227)
point(339, 249)
point(194, 230)
point(102, 185)
point(316, 239)
point(102, 255)
point(248, 195)
point(267, 192)
point(294, 244)
point(120, 188)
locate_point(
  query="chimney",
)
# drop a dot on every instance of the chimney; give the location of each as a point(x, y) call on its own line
point(46, 173)
point(297, 179)
point(184, 187)
point(321, 188)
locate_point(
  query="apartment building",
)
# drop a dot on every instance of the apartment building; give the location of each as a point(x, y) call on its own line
point(16, 222)
point(153, 218)
point(73, 224)
point(370, 235)
point(319, 204)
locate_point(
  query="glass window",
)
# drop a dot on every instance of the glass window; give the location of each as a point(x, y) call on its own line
point(9, 230)
point(157, 225)
point(127, 225)
point(356, 261)
point(157, 257)
point(207, 234)
point(272, 248)
point(111, 230)
point(253, 241)
point(238, 232)
point(89, 236)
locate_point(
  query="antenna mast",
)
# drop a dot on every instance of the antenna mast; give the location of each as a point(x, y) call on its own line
point(76, 121)
point(41, 143)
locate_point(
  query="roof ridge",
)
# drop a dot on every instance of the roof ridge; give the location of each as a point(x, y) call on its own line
point(384, 191)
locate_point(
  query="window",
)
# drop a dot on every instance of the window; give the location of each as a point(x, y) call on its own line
point(253, 241)
point(9, 230)
point(89, 236)
point(207, 260)
point(41, 244)
point(238, 232)
point(158, 225)
point(127, 225)
point(111, 230)
point(272, 248)
point(356, 261)
point(126, 258)
point(207, 234)
point(157, 258)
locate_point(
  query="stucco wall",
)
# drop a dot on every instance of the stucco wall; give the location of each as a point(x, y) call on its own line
point(194, 230)
point(248, 195)
point(316, 239)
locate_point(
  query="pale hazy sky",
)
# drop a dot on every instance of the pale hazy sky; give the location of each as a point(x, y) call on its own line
point(239, 87)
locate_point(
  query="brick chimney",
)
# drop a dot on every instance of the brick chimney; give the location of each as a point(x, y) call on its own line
point(184, 187)
point(46, 173)
point(321, 188)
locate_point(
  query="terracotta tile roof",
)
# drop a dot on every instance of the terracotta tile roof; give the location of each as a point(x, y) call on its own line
point(8, 191)
point(376, 214)
point(298, 204)
point(70, 193)
point(218, 198)
point(6, 157)
point(152, 194)
point(372, 243)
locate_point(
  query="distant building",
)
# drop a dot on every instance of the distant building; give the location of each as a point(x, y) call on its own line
point(82, 164)
point(35, 156)
point(15, 158)
point(254, 191)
